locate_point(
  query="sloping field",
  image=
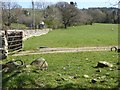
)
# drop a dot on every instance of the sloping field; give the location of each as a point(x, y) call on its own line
point(79, 36)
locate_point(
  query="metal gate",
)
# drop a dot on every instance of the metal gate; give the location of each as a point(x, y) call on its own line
point(14, 39)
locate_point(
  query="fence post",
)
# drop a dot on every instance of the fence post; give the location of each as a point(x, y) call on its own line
point(5, 47)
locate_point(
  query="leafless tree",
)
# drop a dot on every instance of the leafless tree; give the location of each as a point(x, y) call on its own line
point(7, 12)
point(53, 17)
point(85, 17)
point(41, 4)
point(69, 13)
point(97, 14)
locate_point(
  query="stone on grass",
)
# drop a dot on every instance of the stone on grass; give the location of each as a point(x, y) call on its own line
point(98, 70)
point(118, 68)
point(103, 77)
point(94, 80)
point(98, 77)
point(102, 64)
point(107, 74)
point(110, 69)
point(74, 77)
point(102, 81)
point(59, 74)
point(40, 63)
point(85, 76)
point(64, 68)
point(118, 63)
point(27, 66)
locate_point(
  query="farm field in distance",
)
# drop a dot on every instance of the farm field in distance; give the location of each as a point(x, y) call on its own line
point(78, 36)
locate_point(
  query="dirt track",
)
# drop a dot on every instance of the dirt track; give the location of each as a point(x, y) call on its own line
point(63, 50)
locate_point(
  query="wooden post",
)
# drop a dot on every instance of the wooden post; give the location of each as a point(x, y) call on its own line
point(5, 44)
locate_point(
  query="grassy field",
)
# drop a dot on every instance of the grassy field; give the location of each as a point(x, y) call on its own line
point(79, 36)
point(65, 71)
point(18, 26)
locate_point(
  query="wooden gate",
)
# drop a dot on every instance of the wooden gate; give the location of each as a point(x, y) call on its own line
point(14, 39)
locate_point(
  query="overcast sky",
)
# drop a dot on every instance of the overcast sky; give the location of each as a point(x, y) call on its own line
point(80, 3)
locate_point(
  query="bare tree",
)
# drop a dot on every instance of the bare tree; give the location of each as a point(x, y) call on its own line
point(41, 4)
point(7, 14)
point(53, 17)
point(69, 13)
point(85, 17)
point(98, 15)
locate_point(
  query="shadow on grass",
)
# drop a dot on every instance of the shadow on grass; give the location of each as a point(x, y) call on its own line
point(61, 89)
point(19, 80)
point(68, 86)
point(27, 80)
point(5, 80)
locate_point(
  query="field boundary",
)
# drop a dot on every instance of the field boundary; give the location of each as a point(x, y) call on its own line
point(30, 33)
point(63, 50)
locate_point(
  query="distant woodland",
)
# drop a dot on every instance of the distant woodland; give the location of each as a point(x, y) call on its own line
point(59, 15)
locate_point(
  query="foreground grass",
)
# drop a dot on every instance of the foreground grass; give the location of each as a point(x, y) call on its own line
point(66, 71)
point(79, 36)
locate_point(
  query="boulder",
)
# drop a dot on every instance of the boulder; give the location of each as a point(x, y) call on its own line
point(40, 63)
point(102, 64)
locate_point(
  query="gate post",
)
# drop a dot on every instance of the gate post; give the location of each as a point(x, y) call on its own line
point(5, 46)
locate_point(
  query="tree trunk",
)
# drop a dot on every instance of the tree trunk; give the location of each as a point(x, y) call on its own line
point(65, 25)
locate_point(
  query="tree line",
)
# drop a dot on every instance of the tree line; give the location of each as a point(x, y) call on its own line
point(58, 15)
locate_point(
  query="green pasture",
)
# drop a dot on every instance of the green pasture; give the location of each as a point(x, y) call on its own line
point(65, 71)
point(78, 36)
point(18, 26)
